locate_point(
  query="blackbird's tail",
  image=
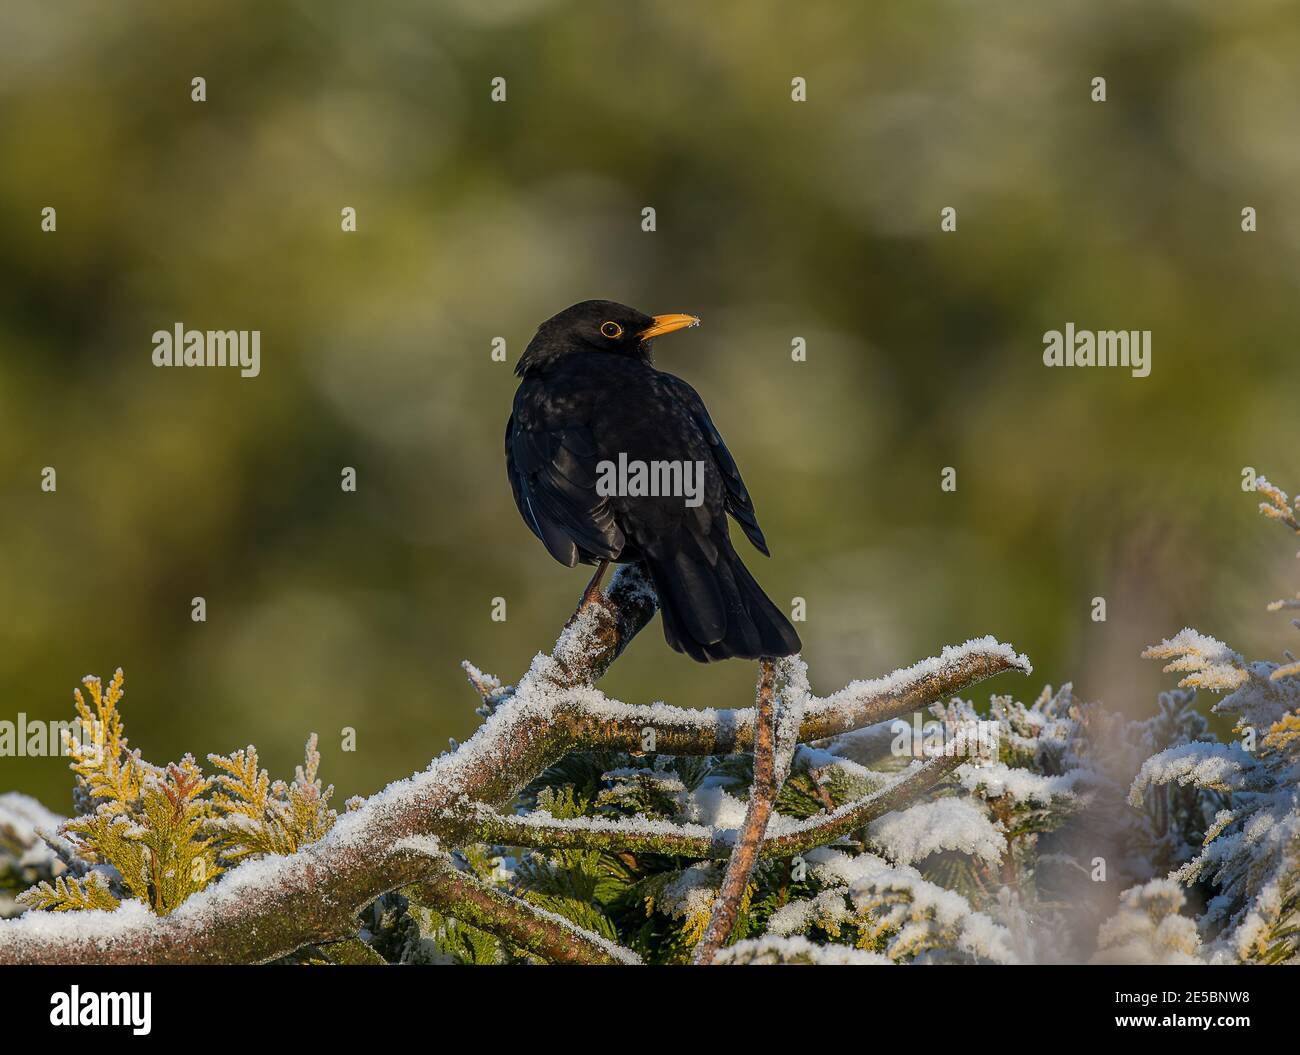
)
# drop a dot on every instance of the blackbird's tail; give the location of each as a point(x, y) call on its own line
point(712, 607)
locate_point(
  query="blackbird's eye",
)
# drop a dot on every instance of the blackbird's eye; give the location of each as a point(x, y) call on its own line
point(612, 330)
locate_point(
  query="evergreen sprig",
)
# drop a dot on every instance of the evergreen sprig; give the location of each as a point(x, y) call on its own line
point(161, 834)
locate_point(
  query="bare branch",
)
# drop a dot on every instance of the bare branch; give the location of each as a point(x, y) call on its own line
point(762, 796)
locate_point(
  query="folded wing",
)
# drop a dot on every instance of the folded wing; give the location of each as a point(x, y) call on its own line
point(739, 504)
point(553, 476)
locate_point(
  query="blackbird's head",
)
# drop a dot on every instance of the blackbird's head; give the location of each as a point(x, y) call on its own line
point(598, 326)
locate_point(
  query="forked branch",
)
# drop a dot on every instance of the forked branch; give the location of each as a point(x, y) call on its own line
point(401, 836)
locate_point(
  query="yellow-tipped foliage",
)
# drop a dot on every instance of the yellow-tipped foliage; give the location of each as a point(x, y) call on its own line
point(180, 860)
point(66, 894)
point(259, 816)
point(168, 832)
point(109, 776)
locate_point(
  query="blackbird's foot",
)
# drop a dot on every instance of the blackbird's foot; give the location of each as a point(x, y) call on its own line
point(592, 595)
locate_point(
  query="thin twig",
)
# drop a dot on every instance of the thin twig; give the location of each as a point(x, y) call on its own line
point(762, 795)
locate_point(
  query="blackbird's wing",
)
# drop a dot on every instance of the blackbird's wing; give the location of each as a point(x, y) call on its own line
point(553, 475)
point(738, 503)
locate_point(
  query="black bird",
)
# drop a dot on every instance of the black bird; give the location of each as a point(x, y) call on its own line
point(591, 399)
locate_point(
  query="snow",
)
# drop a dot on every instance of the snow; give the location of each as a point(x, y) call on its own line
point(1277, 507)
point(611, 949)
point(782, 825)
point(713, 815)
point(639, 824)
point(863, 746)
point(829, 905)
point(692, 893)
point(384, 822)
point(628, 778)
point(714, 807)
point(1218, 766)
point(479, 678)
point(842, 703)
point(1208, 662)
point(1148, 929)
point(1263, 698)
point(957, 824)
point(790, 703)
point(822, 761)
point(776, 950)
point(426, 845)
point(1023, 786)
point(899, 681)
point(862, 877)
point(27, 819)
point(94, 928)
point(1248, 862)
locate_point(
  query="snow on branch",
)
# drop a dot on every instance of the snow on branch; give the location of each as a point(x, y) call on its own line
point(1207, 662)
point(1218, 767)
point(1277, 506)
point(1259, 693)
point(762, 796)
point(605, 723)
point(785, 836)
point(550, 936)
point(401, 837)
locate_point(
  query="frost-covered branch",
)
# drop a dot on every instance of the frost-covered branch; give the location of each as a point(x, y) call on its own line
point(611, 725)
point(762, 795)
point(270, 907)
point(785, 836)
point(551, 937)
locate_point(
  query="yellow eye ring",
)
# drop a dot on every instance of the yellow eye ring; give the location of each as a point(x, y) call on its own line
point(612, 330)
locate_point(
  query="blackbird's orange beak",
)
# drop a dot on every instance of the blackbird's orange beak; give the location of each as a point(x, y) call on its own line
point(666, 324)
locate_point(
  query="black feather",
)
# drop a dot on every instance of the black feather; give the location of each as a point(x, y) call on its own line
point(585, 399)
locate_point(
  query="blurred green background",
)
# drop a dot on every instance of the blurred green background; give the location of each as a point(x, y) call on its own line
point(776, 219)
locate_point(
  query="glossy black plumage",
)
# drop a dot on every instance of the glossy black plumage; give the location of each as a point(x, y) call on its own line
point(586, 397)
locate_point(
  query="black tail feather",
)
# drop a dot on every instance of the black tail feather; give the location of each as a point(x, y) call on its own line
point(713, 609)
